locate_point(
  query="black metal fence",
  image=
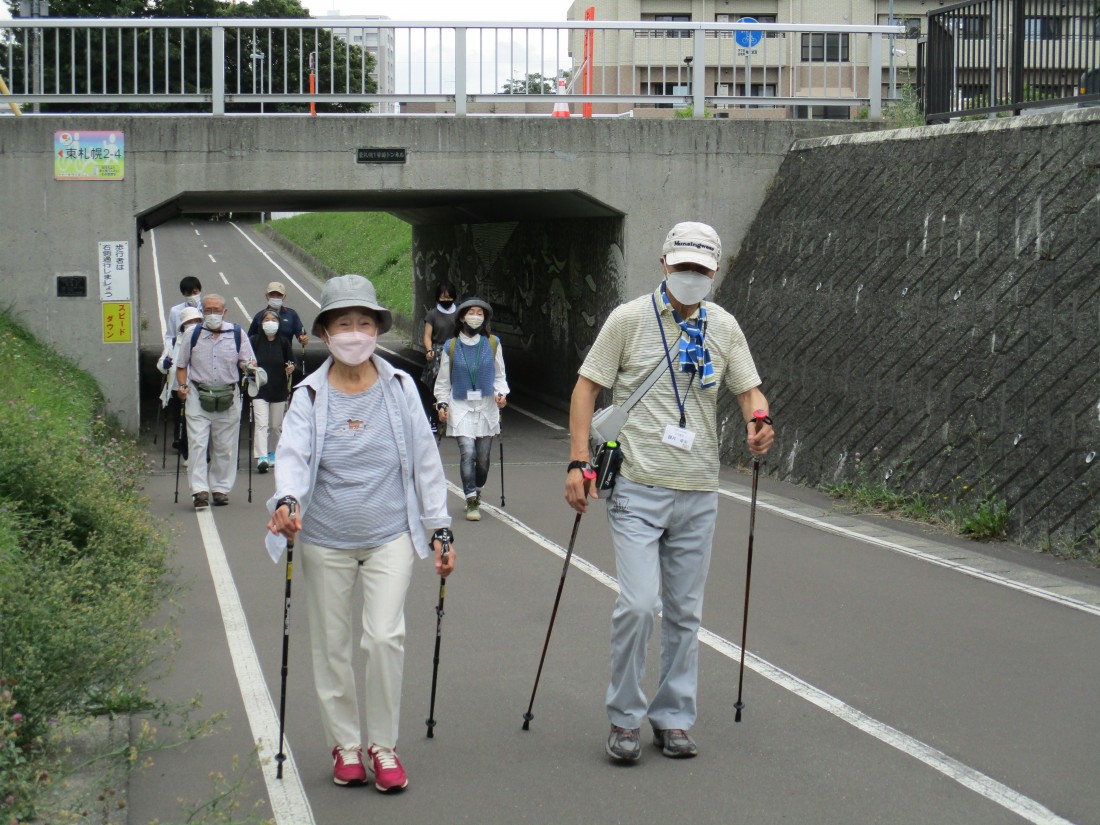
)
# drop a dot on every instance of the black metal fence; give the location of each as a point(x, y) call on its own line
point(1000, 57)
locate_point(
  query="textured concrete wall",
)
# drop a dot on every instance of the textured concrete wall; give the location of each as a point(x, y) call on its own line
point(646, 174)
point(929, 301)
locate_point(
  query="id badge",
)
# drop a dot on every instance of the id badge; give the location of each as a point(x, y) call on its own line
point(678, 437)
point(473, 395)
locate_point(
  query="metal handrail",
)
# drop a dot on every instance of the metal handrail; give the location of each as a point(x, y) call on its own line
point(76, 65)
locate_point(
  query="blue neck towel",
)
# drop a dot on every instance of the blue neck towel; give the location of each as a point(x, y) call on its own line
point(694, 355)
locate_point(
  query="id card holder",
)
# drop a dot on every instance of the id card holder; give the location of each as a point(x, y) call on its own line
point(473, 395)
point(678, 437)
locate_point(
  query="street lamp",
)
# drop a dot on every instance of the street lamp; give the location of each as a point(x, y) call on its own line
point(687, 62)
point(258, 55)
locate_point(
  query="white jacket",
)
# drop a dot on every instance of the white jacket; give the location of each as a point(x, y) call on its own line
point(298, 454)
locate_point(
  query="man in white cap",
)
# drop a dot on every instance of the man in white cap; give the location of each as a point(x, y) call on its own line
point(290, 324)
point(664, 504)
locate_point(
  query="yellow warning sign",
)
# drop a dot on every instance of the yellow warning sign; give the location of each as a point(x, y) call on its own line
point(117, 328)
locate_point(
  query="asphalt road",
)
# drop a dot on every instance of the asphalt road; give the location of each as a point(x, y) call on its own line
point(895, 674)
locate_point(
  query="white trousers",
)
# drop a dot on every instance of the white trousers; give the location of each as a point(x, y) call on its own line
point(267, 417)
point(219, 431)
point(383, 574)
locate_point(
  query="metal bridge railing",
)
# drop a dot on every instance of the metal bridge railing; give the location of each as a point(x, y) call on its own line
point(372, 66)
point(997, 57)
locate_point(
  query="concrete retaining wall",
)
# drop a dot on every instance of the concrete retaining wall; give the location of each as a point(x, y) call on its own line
point(924, 307)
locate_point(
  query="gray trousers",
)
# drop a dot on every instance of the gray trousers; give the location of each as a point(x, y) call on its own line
point(662, 544)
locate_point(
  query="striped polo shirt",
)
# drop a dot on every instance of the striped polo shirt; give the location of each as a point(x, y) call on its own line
point(626, 350)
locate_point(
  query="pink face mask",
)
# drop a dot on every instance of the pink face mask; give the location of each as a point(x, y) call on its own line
point(352, 348)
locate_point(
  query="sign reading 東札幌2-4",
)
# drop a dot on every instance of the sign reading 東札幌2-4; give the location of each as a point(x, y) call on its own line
point(747, 39)
point(117, 328)
point(114, 270)
point(89, 155)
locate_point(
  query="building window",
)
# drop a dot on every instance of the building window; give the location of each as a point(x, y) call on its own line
point(759, 18)
point(823, 112)
point(912, 25)
point(668, 18)
point(825, 47)
point(661, 89)
point(1043, 28)
point(970, 27)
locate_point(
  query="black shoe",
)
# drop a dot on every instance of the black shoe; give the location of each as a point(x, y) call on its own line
point(675, 743)
point(201, 500)
point(623, 744)
point(221, 499)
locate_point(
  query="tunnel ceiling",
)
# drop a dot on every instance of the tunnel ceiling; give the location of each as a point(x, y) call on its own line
point(419, 208)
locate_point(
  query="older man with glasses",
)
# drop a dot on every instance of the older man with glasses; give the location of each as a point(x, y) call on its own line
point(210, 363)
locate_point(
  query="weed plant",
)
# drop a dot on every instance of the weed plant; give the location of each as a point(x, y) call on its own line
point(961, 507)
point(373, 244)
point(82, 567)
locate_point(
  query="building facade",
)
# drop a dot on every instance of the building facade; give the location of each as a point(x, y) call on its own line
point(379, 42)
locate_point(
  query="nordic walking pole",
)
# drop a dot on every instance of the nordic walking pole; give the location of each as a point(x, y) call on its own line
point(501, 435)
point(445, 541)
point(251, 433)
point(179, 453)
point(527, 717)
point(760, 418)
point(280, 757)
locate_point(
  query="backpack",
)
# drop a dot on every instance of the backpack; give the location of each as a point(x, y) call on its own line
point(494, 342)
point(236, 336)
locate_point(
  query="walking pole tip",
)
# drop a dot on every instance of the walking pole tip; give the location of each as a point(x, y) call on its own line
point(527, 717)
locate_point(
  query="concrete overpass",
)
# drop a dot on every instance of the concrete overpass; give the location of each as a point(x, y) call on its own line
point(554, 222)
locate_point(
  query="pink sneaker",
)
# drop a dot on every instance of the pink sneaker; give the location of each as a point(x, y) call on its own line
point(347, 766)
point(389, 776)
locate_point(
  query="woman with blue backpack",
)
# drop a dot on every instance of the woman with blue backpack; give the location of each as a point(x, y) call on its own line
point(470, 391)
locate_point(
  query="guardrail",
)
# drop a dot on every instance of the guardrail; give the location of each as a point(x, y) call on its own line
point(997, 57)
point(372, 66)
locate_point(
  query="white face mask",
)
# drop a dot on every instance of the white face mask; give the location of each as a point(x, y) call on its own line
point(473, 321)
point(212, 322)
point(193, 301)
point(688, 287)
point(275, 303)
point(271, 327)
point(352, 348)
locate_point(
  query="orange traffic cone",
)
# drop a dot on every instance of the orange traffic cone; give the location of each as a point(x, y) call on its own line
point(561, 108)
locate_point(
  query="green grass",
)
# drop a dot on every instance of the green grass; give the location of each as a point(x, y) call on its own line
point(374, 244)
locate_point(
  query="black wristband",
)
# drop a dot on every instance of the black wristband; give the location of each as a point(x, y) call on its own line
point(765, 420)
point(583, 466)
point(444, 535)
point(442, 405)
point(290, 502)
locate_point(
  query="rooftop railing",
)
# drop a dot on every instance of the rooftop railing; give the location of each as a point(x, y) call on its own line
point(372, 66)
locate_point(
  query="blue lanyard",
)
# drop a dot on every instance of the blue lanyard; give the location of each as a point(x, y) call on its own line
point(682, 404)
point(472, 374)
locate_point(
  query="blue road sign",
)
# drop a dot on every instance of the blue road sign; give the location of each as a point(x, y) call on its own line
point(746, 40)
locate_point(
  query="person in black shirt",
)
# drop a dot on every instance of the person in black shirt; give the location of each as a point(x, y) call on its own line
point(290, 324)
point(273, 354)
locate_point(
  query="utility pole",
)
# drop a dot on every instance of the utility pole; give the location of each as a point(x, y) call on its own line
point(893, 63)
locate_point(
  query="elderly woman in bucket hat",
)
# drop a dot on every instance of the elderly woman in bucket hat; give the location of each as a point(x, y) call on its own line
point(359, 463)
point(470, 391)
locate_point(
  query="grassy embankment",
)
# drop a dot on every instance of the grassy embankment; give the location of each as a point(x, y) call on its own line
point(82, 566)
point(374, 244)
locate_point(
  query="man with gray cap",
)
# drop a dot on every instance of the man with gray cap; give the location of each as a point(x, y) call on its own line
point(470, 392)
point(663, 507)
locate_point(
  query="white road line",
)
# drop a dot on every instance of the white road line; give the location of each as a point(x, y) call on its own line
point(224, 279)
point(211, 257)
point(950, 564)
point(244, 312)
point(940, 762)
point(196, 229)
point(537, 418)
point(271, 260)
point(289, 804)
point(156, 279)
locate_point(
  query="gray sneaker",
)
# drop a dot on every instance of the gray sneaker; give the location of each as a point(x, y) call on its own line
point(624, 744)
point(675, 743)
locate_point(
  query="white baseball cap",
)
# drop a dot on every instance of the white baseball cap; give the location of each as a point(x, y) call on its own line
point(692, 242)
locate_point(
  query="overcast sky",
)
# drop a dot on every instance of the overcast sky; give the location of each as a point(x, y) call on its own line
point(498, 10)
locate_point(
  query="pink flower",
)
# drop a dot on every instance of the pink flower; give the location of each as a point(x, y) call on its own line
point(16, 718)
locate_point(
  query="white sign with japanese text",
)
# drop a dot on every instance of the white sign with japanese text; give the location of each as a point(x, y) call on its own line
point(114, 270)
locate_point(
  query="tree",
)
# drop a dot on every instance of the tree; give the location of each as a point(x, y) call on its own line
point(158, 62)
point(535, 84)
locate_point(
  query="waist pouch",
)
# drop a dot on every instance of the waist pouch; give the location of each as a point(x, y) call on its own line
point(215, 397)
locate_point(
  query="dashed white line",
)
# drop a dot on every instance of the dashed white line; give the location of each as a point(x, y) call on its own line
point(211, 257)
point(271, 260)
point(289, 803)
point(244, 312)
point(224, 279)
point(940, 762)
